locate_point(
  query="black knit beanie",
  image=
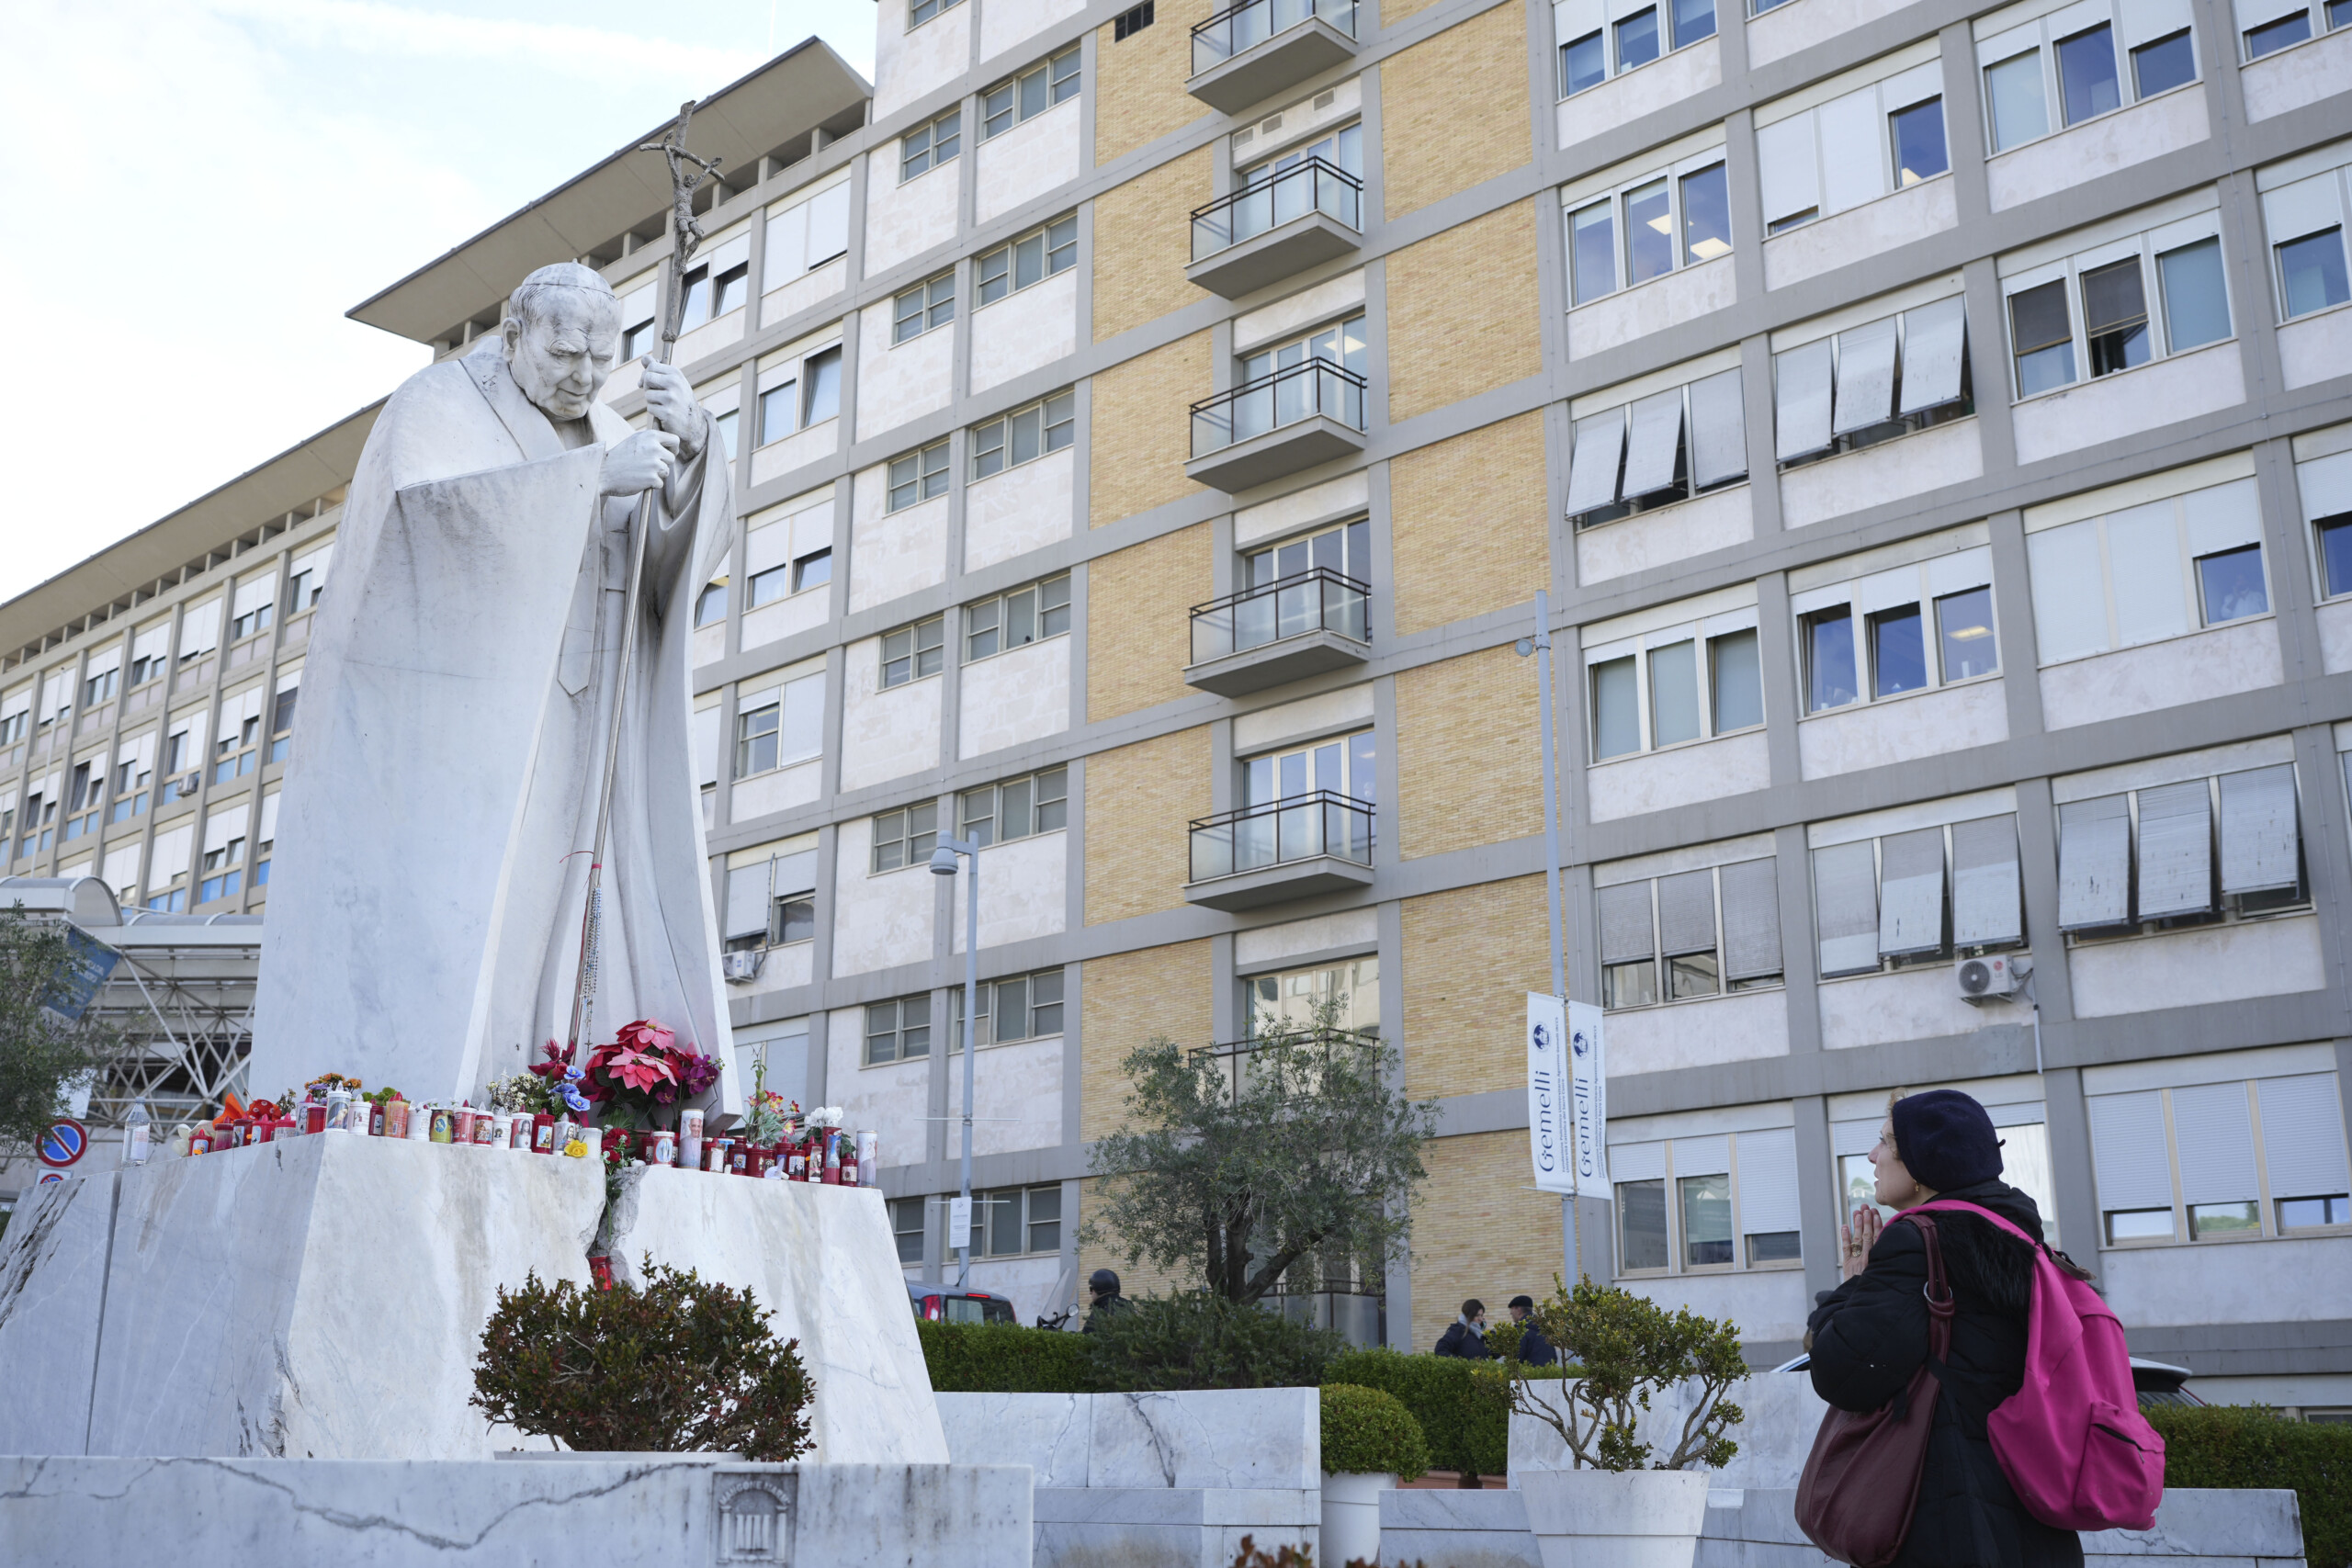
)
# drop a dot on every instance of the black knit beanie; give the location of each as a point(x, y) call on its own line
point(1945, 1140)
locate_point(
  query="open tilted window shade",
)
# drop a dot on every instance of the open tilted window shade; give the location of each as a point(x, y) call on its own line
point(1865, 377)
point(747, 902)
point(2258, 837)
point(1767, 1182)
point(796, 873)
point(1800, 401)
point(2128, 1150)
point(1985, 902)
point(1935, 337)
point(2175, 851)
point(1844, 895)
point(2213, 1134)
point(1751, 920)
point(1654, 443)
point(1718, 429)
point(1911, 901)
point(1592, 472)
point(2094, 863)
point(2303, 1136)
point(1686, 912)
point(1626, 933)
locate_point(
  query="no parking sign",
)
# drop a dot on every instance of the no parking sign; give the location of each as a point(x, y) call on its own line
point(65, 1142)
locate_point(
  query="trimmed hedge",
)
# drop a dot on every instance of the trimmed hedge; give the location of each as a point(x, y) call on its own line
point(1463, 1407)
point(1368, 1432)
point(2248, 1446)
point(1002, 1358)
point(1196, 1340)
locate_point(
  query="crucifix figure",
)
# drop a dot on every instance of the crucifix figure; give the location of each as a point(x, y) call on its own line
point(493, 789)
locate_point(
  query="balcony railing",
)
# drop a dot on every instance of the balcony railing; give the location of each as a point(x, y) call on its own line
point(1310, 186)
point(1244, 26)
point(1276, 833)
point(1317, 600)
point(1298, 1070)
point(1286, 397)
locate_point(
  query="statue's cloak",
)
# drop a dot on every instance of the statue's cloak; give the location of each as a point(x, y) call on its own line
point(433, 845)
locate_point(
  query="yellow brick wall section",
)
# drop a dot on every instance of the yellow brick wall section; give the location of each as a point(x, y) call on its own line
point(1129, 999)
point(1136, 1279)
point(1139, 799)
point(1139, 630)
point(1142, 419)
point(1462, 313)
point(1471, 955)
point(1467, 753)
point(1142, 239)
point(1479, 1230)
point(1139, 83)
point(1453, 109)
point(1470, 527)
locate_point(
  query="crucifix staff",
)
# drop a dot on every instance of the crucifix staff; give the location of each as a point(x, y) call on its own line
point(687, 172)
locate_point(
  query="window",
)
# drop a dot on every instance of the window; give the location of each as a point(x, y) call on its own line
point(1018, 809)
point(2304, 219)
point(1661, 449)
point(897, 1031)
point(1590, 42)
point(717, 286)
point(778, 724)
point(1920, 626)
point(2269, 26)
point(1017, 1220)
point(1696, 933)
point(710, 604)
point(2152, 561)
point(1265, 398)
point(906, 836)
point(771, 899)
point(906, 1224)
point(924, 306)
point(2335, 535)
point(1873, 382)
point(99, 687)
point(641, 311)
point(1707, 1205)
point(2179, 266)
point(913, 652)
point(2179, 1163)
point(1017, 619)
point(1924, 894)
point(1678, 219)
point(2146, 858)
point(1022, 436)
point(281, 721)
point(2028, 68)
point(808, 232)
point(151, 647)
point(1032, 258)
point(821, 387)
point(923, 11)
point(1658, 685)
point(918, 476)
point(794, 397)
point(1128, 23)
point(223, 872)
point(1297, 999)
point(926, 147)
point(2169, 62)
point(1346, 549)
point(1030, 93)
point(2087, 78)
point(1024, 1006)
point(1853, 149)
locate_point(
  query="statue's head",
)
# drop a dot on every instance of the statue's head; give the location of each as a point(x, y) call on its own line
point(562, 332)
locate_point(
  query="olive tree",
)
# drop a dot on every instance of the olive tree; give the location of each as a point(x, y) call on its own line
point(42, 1049)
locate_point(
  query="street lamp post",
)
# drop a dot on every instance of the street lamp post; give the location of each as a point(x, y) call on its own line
point(1540, 645)
point(942, 864)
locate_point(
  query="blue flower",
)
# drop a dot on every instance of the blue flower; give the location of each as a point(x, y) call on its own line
point(573, 1099)
point(573, 1075)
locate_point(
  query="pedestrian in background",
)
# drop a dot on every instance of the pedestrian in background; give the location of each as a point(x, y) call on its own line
point(1533, 1349)
point(1104, 1286)
point(1466, 1336)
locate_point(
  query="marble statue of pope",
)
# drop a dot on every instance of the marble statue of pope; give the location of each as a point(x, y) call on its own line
point(434, 842)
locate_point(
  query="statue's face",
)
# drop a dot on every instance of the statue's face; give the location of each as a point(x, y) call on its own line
point(562, 354)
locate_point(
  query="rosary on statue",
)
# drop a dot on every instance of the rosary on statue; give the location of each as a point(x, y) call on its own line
point(687, 173)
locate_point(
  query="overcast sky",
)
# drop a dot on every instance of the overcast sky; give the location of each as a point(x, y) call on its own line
point(192, 192)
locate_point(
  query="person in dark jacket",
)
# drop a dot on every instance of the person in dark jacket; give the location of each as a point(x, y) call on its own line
point(1533, 1349)
point(1103, 1287)
point(1869, 1334)
point(1466, 1336)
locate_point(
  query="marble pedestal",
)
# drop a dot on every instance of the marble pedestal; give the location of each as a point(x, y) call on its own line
point(324, 1298)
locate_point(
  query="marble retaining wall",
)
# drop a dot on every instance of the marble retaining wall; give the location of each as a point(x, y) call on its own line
point(1782, 1414)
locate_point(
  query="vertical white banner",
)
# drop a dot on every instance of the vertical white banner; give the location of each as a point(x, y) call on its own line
point(1547, 1095)
point(959, 1223)
point(1588, 1100)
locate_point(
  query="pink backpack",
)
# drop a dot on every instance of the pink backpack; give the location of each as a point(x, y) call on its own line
point(2072, 1440)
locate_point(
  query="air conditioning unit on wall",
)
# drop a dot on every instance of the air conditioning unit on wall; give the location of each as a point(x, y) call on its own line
point(1993, 979)
point(743, 968)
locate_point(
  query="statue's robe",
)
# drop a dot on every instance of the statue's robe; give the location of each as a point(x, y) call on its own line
point(433, 847)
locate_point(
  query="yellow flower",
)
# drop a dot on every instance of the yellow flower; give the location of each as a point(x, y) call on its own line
point(576, 1149)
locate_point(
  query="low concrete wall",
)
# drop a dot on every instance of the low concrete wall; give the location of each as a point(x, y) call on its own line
point(1782, 1414)
point(64, 1513)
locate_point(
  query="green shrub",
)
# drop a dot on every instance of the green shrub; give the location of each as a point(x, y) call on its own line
point(1001, 1358)
point(1628, 1347)
point(680, 1366)
point(1367, 1432)
point(2248, 1446)
point(1194, 1340)
point(1464, 1417)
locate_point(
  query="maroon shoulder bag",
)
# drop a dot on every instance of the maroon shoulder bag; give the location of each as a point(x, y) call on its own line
point(1861, 1482)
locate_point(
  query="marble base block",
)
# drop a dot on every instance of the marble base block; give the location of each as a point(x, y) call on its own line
point(64, 1513)
point(1252, 1439)
point(1162, 1527)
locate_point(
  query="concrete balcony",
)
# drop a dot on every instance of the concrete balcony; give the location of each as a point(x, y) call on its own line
point(1309, 213)
point(1280, 632)
point(1277, 426)
point(1247, 53)
point(1281, 850)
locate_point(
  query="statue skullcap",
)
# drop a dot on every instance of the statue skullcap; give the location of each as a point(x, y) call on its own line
point(535, 292)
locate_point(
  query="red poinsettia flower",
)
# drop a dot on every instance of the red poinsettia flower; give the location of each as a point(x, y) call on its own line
point(644, 1036)
point(556, 1063)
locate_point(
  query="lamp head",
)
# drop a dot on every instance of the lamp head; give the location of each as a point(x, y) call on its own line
point(943, 861)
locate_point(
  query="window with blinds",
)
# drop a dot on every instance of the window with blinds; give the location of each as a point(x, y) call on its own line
point(1657, 450)
point(1708, 1203)
point(1923, 895)
point(2186, 852)
point(1695, 933)
point(1894, 633)
point(2238, 1159)
point(771, 899)
point(1871, 382)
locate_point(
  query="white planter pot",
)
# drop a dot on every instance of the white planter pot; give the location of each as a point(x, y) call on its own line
point(1599, 1518)
point(1352, 1519)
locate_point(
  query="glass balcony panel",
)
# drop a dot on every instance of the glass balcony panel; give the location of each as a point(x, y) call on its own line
point(1285, 397)
point(1212, 851)
point(1253, 623)
point(1347, 610)
point(1214, 634)
point(1243, 26)
point(1301, 833)
point(1299, 608)
point(1253, 843)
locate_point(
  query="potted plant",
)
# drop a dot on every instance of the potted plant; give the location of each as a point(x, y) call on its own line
point(1620, 1501)
point(1369, 1442)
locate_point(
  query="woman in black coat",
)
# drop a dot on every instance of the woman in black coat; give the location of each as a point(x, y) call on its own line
point(1869, 1334)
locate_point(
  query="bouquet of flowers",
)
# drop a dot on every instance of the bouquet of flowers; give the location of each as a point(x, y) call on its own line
point(383, 1095)
point(767, 1118)
point(525, 1092)
point(318, 1088)
point(559, 1080)
point(645, 1068)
